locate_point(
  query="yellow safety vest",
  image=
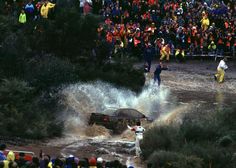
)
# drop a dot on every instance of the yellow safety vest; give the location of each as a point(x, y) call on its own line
point(22, 18)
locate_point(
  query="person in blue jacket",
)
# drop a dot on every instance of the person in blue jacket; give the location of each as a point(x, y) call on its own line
point(2, 149)
point(149, 53)
point(157, 72)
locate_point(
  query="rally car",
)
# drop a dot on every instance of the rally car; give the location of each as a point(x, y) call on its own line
point(118, 120)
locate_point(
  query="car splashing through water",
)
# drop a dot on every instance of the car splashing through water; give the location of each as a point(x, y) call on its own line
point(119, 120)
point(84, 99)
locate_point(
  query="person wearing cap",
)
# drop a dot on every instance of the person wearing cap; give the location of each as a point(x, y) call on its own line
point(2, 149)
point(219, 76)
point(139, 130)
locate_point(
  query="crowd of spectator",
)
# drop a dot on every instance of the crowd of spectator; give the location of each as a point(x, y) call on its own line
point(29, 10)
point(171, 27)
point(10, 159)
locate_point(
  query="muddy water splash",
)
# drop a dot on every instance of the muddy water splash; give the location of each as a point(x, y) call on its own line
point(99, 97)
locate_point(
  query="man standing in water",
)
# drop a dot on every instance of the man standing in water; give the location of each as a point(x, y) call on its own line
point(157, 72)
point(219, 76)
point(139, 130)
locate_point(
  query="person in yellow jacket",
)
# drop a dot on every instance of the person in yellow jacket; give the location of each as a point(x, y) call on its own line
point(219, 76)
point(165, 52)
point(205, 22)
point(22, 17)
point(10, 158)
point(45, 9)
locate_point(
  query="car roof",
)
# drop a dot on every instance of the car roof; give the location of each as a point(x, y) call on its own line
point(129, 113)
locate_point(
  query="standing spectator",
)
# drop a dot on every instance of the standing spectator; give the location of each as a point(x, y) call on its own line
point(29, 9)
point(149, 53)
point(165, 52)
point(22, 17)
point(139, 130)
point(2, 149)
point(21, 160)
point(10, 159)
point(205, 21)
point(157, 73)
point(81, 6)
point(87, 7)
point(45, 9)
point(219, 76)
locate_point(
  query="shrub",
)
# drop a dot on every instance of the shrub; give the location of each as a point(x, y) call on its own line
point(199, 132)
point(49, 71)
point(164, 159)
point(22, 115)
point(225, 141)
point(160, 138)
point(211, 154)
point(226, 119)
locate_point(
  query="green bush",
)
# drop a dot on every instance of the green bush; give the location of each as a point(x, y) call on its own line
point(165, 159)
point(199, 132)
point(23, 115)
point(161, 138)
point(211, 154)
point(226, 119)
point(225, 141)
point(49, 71)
